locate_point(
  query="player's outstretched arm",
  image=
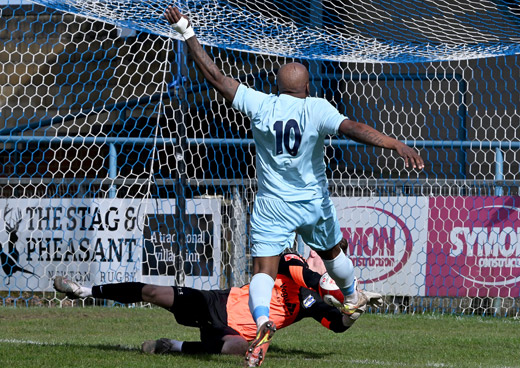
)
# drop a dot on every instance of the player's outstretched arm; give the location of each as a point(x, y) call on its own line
point(363, 133)
point(293, 265)
point(226, 86)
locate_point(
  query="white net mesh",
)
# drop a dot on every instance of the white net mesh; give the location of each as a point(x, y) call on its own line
point(391, 31)
point(107, 131)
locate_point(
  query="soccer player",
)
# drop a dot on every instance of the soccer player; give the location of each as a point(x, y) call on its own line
point(223, 317)
point(289, 130)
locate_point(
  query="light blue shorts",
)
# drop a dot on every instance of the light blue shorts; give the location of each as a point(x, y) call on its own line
point(274, 225)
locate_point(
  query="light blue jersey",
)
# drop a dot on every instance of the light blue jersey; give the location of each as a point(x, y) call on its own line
point(289, 134)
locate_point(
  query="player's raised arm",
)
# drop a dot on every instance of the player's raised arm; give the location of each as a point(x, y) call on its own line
point(363, 133)
point(226, 86)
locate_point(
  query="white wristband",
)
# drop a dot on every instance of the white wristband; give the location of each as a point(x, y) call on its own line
point(189, 32)
point(184, 28)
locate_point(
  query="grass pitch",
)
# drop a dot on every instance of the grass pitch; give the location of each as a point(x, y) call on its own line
point(111, 337)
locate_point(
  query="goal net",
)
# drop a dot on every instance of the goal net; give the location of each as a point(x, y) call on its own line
point(393, 31)
point(120, 163)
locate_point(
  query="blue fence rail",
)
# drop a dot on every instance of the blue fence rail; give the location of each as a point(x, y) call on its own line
point(497, 146)
point(11, 135)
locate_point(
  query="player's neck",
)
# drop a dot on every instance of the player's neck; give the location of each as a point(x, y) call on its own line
point(295, 94)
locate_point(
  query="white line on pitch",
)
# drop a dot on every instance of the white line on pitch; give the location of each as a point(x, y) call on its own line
point(375, 363)
point(32, 342)
point(349, 361)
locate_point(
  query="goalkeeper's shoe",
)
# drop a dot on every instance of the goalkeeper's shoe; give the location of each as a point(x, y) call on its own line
point(255, 354)
point(70, 288)
point(161, 346)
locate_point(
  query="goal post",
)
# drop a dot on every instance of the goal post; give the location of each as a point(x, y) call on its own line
point(120, 163)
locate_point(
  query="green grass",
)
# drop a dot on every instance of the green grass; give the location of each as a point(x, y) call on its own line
point(111, 337)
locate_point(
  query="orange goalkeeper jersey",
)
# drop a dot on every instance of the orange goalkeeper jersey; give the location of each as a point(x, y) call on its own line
point(291, 300)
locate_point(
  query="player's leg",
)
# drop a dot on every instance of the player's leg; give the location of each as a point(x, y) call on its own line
point(234, 344)
point(190, 309)
point(261, 287)
point(202, 309)
point(125, 292)
point(71, 288)
point(228, 344)
point(162, 346)
point(162, 296)
point(339, 267)
point(260, 292)
point(323, 234)
point(326, 238)
point(217, 339)
point(355, 301)
point(272, 230)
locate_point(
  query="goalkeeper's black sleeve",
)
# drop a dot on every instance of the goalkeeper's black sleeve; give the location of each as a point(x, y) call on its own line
point(294, 266)
point(329, 317)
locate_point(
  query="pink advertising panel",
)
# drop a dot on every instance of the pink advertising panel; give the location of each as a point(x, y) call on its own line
point(387, 241)
point(473, 247)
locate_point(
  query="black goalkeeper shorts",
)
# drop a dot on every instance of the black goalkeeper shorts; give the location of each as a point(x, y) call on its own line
point(205, 309)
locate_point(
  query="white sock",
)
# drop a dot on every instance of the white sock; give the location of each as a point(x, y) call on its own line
point(84, 292)
point(260, 292)
point(176, 345)
point(341, 270)
point(260, 321)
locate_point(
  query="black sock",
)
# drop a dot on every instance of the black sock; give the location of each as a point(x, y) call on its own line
point(125, 292)
point(198, 347)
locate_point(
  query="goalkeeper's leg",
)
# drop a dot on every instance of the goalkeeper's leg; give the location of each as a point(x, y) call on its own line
point(125, 292)
point(71, 288)
point(227, 344)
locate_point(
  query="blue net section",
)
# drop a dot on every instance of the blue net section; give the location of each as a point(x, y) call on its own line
point(363, 31)
point(119, 162)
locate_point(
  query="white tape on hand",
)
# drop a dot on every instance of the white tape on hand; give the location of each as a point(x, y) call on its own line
point(184, 28)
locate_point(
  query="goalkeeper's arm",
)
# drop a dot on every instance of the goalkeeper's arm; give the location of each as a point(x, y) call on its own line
point(226, 86)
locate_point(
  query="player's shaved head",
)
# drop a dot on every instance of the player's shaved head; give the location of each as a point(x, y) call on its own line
point(293, 79)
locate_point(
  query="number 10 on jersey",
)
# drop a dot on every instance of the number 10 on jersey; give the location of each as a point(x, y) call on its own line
point(283, 133)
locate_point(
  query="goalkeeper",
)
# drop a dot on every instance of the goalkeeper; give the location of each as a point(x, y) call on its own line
point(289, 130)
point(223, 317)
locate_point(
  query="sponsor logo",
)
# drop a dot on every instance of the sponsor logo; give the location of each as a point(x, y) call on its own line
point(288, 293)
point(384, 246)
point(309, 301)
point(10, 256)
point(487, 247)
point(291, 307)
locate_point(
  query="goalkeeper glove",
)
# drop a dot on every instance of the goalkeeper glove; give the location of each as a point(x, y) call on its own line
point(375, 300)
